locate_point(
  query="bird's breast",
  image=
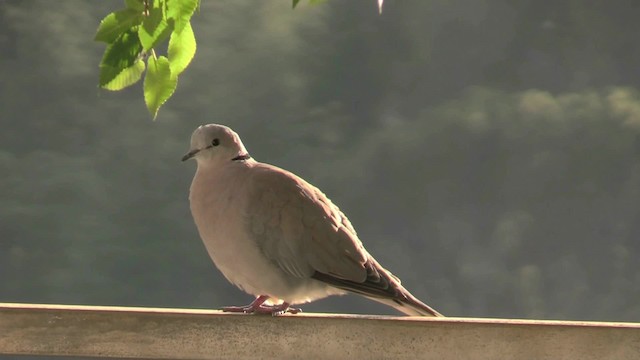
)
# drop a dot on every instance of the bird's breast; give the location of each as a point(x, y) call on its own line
point(215, 206)
point(218, 209)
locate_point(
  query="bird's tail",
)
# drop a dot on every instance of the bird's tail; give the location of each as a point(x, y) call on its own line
point(382, 286)
point(401, 299)
point(408, 304)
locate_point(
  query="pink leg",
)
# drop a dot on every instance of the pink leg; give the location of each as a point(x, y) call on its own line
point(277, 309)
point(247, 308)
point(258, 307)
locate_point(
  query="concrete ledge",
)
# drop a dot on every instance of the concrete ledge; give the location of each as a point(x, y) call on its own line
point(154, 333)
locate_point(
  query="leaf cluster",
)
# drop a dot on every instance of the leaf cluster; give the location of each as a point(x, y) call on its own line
point(132, 36)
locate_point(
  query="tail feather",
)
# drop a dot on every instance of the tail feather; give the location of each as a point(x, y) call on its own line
point(381, 286)
point(409, 305)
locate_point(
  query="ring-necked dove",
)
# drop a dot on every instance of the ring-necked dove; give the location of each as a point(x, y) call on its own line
point(276, 236)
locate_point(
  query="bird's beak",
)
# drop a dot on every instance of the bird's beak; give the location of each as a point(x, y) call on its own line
point(190, 154)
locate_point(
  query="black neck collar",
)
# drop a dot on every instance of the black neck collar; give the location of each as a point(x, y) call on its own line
point(241, 157)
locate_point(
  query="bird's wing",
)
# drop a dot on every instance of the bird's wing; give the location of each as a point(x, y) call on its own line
point(300, 229)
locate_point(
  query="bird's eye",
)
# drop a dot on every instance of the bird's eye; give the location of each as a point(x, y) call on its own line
point(215, 142)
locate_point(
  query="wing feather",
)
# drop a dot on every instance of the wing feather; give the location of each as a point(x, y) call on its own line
point(300, 229)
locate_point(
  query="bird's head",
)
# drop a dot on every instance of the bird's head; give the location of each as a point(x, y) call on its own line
point(215, 143)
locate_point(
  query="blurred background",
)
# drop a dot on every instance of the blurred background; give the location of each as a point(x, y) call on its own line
point(487, 151)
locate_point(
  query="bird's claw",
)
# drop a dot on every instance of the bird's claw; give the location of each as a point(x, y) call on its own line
point(262, 309)
point(290, 310)
point(238, 309)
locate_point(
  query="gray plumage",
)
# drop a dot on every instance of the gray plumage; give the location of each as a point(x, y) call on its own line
point(276, 236)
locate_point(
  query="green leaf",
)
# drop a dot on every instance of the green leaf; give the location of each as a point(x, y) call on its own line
point(134, 4)
point(122, 79)
point(181, 11)
point(116, 23)
point(295, 2)
point(120, 55)
point(155, 27)
point(159, 84)
point(182, 48)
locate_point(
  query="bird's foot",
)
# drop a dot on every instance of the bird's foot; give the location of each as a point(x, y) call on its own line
point(281, 309)
point(247, 309)
point(258, 307)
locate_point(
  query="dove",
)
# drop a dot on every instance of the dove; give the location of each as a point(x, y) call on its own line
point(276, 236)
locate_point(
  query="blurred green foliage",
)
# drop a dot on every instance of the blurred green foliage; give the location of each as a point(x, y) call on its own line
point(132, 35)
point(487, 152)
